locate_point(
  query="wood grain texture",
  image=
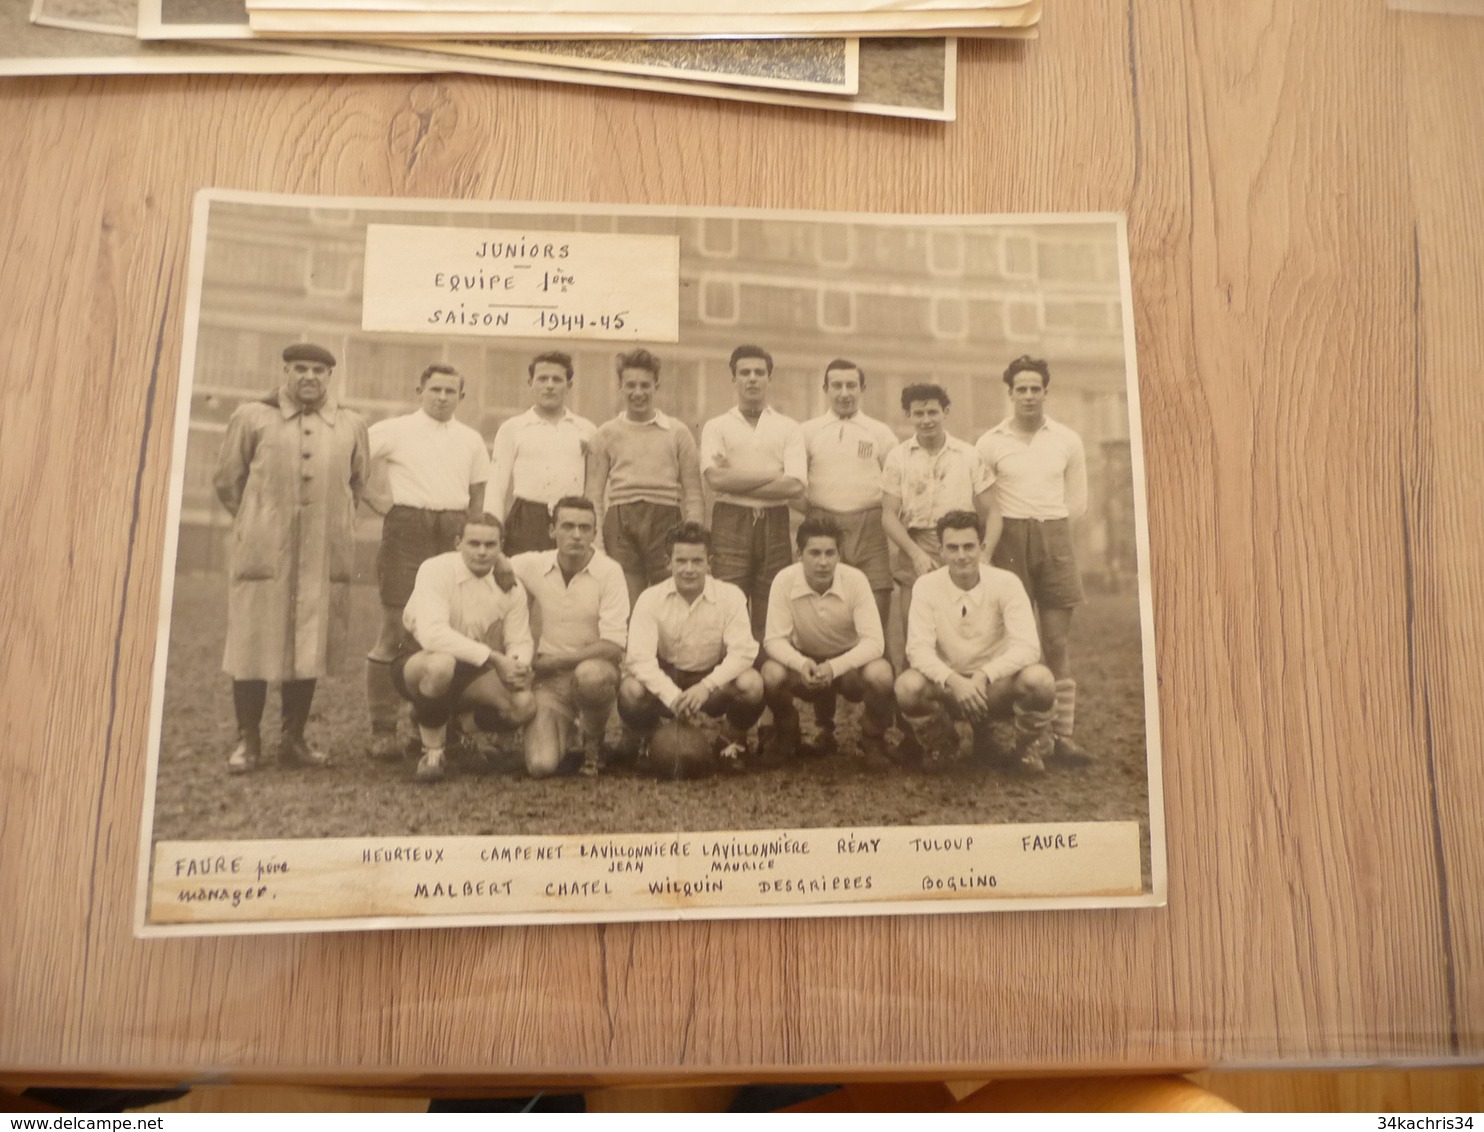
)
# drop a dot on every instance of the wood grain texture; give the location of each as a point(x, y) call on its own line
point(1315, 830)
point(1374, 1090)
point(1301, 180)
point(1445, 112)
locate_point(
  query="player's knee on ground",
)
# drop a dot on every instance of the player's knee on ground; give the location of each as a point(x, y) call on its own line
point(543, 749)
point(433, 674)
point(596, 682)
point(747, 688)
point(913, 694)
point(879, 678)
point(522, 708)
point(1035, 687)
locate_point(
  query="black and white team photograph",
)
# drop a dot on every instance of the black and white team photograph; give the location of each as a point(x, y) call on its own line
point(860, 548)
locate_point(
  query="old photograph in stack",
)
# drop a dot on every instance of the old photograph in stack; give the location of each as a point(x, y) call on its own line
point(95, 37)
point(537, 563)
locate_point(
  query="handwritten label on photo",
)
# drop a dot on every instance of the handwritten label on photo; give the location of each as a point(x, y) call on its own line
point(521, 283)
point(202, 882)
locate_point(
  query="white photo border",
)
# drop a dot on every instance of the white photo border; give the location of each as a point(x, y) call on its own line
point(1157, 894)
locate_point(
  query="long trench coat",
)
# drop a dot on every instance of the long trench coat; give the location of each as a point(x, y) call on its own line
point(291, 479)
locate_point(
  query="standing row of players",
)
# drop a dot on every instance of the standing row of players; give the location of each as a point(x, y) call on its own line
point(555, 488)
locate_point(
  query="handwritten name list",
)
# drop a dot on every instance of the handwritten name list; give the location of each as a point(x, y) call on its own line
point(609, 876)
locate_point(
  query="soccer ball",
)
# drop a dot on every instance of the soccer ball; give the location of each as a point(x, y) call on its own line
point(678, 750)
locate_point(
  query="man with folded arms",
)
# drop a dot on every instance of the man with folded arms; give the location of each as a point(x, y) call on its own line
point(691, 650)
point(846, 452)
point(456, 610)
point(581, 604)
point(538, 457)
point(644, 476)
point(824, 638)
point(974, 654)
point(436, 468)
point(753, 458)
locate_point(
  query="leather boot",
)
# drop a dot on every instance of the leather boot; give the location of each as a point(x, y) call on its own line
point(245, 755)
point(294, 750)
point(1034, 740)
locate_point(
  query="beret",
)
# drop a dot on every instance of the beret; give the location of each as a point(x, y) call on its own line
point(308, 352)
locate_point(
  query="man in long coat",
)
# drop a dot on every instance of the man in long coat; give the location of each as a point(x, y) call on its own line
point(292, 467)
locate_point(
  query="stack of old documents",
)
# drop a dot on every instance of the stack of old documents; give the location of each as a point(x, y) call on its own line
point(894, 57)
point(638, 18)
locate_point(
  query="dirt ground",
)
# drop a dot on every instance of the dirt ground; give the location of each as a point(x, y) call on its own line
point(197, 800)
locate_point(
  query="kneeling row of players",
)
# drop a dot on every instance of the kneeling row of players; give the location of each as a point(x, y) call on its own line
point(687, 651)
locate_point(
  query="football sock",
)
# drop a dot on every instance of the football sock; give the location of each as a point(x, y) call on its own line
point(878, 716)
point(934, 730)
point(382, 701)
point(919, 724)
point(1066, 707)
point(297, 696)
point(824, 713)
point(786, 719)
point(1030, 723)
point(248, 698)
point(594, 724)
point(432, 737)
point(734, 732)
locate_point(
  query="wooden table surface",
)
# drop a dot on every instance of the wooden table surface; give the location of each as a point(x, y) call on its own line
point(1304, 181)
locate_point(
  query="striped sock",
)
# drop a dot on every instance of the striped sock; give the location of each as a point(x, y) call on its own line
point(1030, 723)
point(1065, 709)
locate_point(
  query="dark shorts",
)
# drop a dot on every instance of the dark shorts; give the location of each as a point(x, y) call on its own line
point(1039, 552)
point(463, 675)
point(409, 537)
point(718, 703)
point(634, 537)
point(527, 527)
point(852, 686)
point(684, 680)
point(1001, 698)
point(864, 545)
point(749, 546)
